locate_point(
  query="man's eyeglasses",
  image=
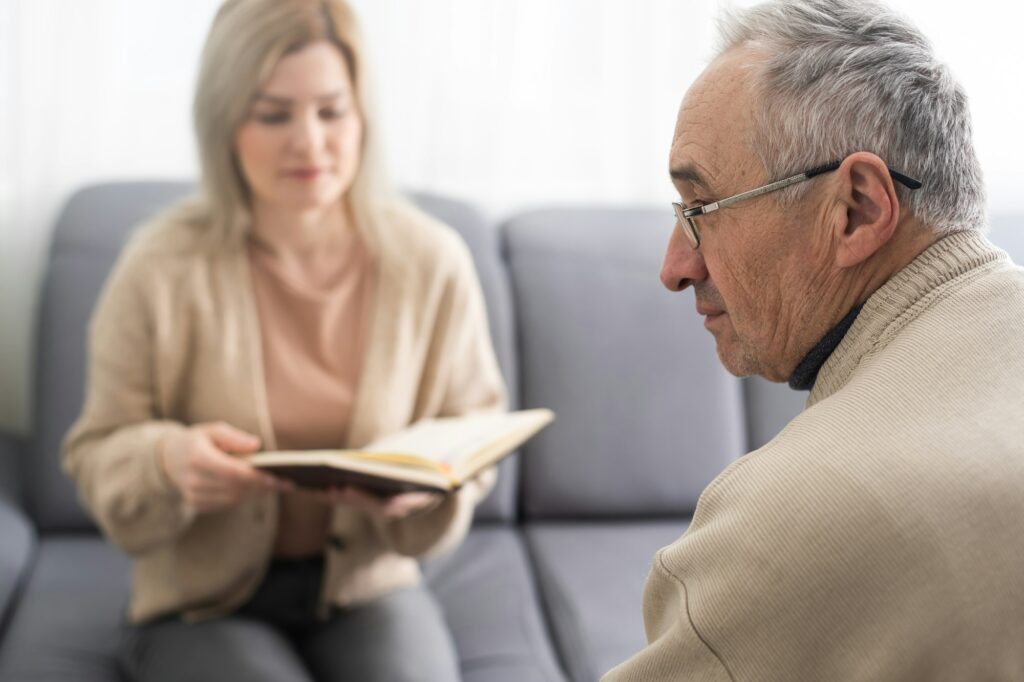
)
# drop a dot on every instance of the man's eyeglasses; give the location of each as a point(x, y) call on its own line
point(686, 216)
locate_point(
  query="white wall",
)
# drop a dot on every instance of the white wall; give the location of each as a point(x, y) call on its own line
point(507, 103)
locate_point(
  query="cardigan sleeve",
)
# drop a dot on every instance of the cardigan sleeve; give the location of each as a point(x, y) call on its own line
point(462, 353)
point(111, 450)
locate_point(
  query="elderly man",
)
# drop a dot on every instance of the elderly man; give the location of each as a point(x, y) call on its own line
point(831, 223)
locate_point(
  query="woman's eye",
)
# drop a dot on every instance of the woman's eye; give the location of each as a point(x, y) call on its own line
point(332, 114)
point(275, 118)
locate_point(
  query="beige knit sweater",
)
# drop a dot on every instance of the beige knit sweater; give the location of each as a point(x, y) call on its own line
point(880, 536)
point(175, 341)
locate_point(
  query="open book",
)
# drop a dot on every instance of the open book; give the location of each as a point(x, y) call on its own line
point(433, 454)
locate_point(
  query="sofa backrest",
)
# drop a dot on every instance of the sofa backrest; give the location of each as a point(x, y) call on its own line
point(95, 223)
point(1007, 232)
point(768, 407)
point(485, 244)
point(88, 236)
point(646, 416)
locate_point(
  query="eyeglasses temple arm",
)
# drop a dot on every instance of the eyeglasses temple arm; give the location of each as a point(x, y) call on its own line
point(775, 186)
point(906, 180)
point(901, 178)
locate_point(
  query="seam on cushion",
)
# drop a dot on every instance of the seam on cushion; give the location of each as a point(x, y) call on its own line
point(568, 647)
point(569, 635)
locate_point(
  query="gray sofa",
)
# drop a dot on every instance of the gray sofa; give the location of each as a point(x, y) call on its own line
point(548, 584)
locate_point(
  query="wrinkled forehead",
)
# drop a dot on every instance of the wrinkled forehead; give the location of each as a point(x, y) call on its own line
point(713, 128)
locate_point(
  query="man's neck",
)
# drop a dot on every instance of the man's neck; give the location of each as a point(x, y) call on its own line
point(836, 313)
point(909, 241)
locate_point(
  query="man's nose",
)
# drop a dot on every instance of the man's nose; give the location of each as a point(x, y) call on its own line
point(683, 264)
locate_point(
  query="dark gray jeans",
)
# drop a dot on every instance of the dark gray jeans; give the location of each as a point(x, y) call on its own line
point(401, 637)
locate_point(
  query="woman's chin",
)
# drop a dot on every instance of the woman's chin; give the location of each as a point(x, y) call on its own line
point(310, 199)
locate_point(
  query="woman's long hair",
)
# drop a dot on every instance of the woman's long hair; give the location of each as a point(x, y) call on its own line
point(246, 41)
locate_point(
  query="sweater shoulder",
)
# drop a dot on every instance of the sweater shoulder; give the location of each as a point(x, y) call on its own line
point(805, 485)
point(171, 242)
point(178, 232)
point(424, 241)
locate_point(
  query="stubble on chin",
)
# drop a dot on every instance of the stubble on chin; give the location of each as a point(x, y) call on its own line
point(733, 352)
point(735, 356)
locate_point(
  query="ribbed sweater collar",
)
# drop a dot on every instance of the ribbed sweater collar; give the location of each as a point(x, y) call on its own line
point(905, 295)
point(806, 373)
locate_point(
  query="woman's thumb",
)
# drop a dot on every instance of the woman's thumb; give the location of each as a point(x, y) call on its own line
point(230, 439)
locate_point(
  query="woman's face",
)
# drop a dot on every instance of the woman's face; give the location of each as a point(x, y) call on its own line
point(299, 146)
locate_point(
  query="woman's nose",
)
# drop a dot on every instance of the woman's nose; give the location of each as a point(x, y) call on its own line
point(308, 134)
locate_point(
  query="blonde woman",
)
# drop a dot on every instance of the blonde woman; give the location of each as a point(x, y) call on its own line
point(293, 304)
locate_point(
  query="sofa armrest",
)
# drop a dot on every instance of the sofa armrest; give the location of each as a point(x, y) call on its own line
point(16, 531)
point(12, 457)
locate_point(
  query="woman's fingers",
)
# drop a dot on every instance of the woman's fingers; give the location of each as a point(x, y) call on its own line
point(391, 507)
point(404, 504)
point(217, 480)
point(227, 438)
point(212, 463)
point(198, 462)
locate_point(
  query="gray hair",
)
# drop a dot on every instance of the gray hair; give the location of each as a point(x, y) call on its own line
point(842, 76)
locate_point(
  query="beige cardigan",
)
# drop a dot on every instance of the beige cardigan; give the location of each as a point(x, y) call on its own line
point(880, 535)
point(175, 341)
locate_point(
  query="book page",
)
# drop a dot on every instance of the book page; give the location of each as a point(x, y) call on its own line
point(450, 440)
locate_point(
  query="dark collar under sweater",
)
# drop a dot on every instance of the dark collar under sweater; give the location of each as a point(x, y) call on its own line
point(807, 371)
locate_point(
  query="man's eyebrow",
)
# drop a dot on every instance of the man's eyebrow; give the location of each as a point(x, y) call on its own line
point(287, 101)
point(688, 173)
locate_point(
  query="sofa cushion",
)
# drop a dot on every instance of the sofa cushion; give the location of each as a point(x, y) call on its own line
point(487, 592)
point(16, 530)
point(16, 550)
point(591, 578)
point(646, 414)
point(65, 624)
point(90, 232)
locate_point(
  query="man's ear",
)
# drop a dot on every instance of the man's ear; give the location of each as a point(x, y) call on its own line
point(872, 211)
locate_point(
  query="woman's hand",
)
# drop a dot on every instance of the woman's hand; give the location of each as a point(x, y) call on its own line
point(200, 464)
point(391, 507)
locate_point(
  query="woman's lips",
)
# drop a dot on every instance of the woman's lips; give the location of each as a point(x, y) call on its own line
point(304, 173)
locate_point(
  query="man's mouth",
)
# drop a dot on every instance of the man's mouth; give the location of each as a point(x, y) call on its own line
point(710, 313)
